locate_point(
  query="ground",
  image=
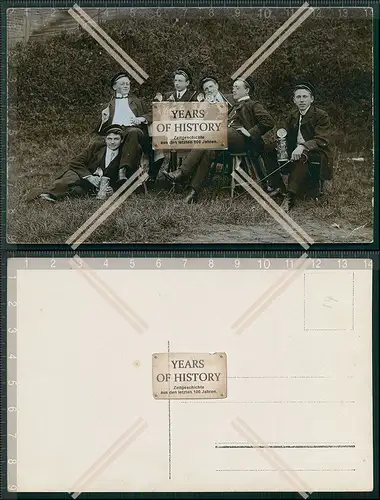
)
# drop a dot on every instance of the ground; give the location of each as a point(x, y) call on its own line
point(344, 215)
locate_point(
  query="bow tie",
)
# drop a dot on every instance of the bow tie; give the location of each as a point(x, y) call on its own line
point(122, 97)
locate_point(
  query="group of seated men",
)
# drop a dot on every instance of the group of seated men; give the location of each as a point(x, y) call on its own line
point(102, 167)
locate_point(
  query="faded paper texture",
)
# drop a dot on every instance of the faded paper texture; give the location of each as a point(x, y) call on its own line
point(189, 125)
point(85, 383)
point(189, 375)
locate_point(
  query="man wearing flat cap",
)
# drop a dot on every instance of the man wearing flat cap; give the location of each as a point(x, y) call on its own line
point(308, 145)
point(248, 121)
point(93, 172)
point(210, 89)
point(126, 110)
point(181, 92)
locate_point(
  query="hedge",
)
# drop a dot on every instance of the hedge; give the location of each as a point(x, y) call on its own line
point(63, 81)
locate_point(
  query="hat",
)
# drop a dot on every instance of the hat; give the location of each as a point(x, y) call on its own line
point(249, 82)
point(207, 79)
point(117, 76)
point(183, 72)
point(114, 128)
point(306, 86)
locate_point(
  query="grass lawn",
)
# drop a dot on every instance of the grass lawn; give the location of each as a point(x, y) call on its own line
point(344, 215)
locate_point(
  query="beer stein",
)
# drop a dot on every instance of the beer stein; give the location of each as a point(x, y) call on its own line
point(104, 184)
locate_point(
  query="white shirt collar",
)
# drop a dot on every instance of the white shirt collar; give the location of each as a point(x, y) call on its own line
point(180, 93)
point(119, 95)
point(244, 98)
point(110, 153)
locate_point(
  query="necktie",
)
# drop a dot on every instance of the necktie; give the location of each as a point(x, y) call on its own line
point(299, 135)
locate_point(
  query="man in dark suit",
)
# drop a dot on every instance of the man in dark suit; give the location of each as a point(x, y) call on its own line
point(127, 110)
point(247, 122)
point(181, 92)
point(85, 173)
point(308, 141)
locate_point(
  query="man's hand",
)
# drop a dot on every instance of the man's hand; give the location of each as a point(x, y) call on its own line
point(94, 180)
point(244, 131)
point(109, 191)
point(297, 153)
point(138, 120)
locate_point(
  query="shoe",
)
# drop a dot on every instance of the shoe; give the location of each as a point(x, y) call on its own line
point(34, 194)
point(288, 202)
point(47, 197)
point(192, 197)
point(150, 182)
point(273, 192)
point(175, 176)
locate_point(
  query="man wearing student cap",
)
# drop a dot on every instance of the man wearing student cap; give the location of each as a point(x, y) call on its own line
point(308, 146)
point(126, 110)
point(210, 89)
point(248, 121)
point(92, 172)
point(181, 92)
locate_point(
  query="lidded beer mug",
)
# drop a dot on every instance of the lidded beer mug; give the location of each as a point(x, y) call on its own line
point(281, 147)
point(104, 184)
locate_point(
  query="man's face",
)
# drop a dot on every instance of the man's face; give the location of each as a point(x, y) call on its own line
point(239, 89)
point(180, 83)
point(210, 88)
point(113, 141)
point(302, 99)
point(122, 86)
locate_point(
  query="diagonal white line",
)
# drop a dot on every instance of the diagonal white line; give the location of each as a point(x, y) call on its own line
point(275, 35)
point(108, 212)
point(274, 205)
point(264, 301)
point(108, 294)
point(110, 41)
point(271, 211)
point(271, 456)
point(104, 206)
point(110, 455)
point(105, 46)
point(277, 43)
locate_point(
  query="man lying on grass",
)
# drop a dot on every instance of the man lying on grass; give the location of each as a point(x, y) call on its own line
point(93, 172)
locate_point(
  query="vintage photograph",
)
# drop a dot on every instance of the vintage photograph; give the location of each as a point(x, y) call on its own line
point(190, 125)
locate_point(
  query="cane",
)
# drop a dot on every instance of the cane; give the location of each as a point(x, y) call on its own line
point(274, 171)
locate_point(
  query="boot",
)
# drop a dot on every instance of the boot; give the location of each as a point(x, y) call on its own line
point(192, 196)
point(288, 202)
point(175, 176)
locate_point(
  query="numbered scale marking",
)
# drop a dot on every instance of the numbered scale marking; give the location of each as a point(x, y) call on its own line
point(185, 262)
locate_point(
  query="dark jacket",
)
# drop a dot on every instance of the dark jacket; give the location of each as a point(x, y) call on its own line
point(108, 112)
point(90, 159)
point(315, 129)
point(188, 96)
point(252, 116)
